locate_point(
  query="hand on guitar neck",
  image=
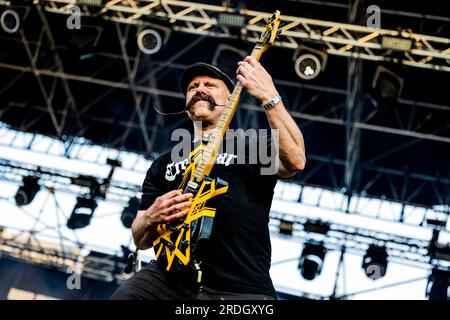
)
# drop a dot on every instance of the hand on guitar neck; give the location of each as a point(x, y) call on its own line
point(256, 80)
point(167, 208)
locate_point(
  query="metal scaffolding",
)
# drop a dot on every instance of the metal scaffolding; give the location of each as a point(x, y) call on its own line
point(336, 38)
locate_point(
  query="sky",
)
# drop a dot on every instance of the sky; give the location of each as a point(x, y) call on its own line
point(106, 233)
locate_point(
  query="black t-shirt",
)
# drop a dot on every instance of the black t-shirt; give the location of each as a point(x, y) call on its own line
point(241, 251)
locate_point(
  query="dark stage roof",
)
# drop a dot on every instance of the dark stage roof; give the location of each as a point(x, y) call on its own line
point(95, 83)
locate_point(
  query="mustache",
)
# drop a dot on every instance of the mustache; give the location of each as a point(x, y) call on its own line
point(201, 96)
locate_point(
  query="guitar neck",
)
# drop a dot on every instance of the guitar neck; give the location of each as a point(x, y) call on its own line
point(209, 155)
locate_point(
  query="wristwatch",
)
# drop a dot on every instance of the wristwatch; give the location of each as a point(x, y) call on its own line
point(269, 105)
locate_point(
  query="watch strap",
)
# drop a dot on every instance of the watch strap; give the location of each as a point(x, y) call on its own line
point(269, 105)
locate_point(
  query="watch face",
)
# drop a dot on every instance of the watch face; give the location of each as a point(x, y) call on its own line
point(272, 103)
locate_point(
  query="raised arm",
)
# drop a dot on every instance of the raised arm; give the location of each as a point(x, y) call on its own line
point(259, 84)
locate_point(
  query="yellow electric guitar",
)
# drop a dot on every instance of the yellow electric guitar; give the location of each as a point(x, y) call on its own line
point(183, 244)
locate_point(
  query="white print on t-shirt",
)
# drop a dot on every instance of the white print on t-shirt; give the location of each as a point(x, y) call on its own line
point(175, 168)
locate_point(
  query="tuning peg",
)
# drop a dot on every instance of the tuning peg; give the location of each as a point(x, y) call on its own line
point(272, 18)
point(278, 34)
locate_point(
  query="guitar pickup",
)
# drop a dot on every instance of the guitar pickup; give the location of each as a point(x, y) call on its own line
point(219, 182)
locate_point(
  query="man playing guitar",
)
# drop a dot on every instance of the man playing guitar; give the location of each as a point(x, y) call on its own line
point(207, 216)
point(237, 266)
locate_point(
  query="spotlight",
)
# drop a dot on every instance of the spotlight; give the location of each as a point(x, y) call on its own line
point(311, 260)
point(82, 213)
point(307, 66)
point(286, 227)
point(83, 42)
point(319, 227)
point(231, 19)
point(149, 41)
point(395, 43)
point(26, 193)
point(375, 262)
point(436, 223)
point(10, 21)
point(129, 212)
point(91, 3)
point(309, 62)
point(438, 250)
point(437, 286)
point(226, 57)
point(386, 86)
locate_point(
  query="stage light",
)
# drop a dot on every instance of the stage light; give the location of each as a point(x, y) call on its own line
point(226, 57)
point(26, 193)
point(396, 43)
point(307, 66)
point(438, 283)
point(92, 3)
point(375, 262)
point(231, 17)
point(311, 260)
point(129, 212)
point(82, 213)
point(231, 20)
point(386, 86)
point(437, 250)
point(286, 227)
point(10, 21)
point(83, 42)
point(95, 188)
point(316, 227)
point(309, 62)
point(149, 41)
point(435, 223)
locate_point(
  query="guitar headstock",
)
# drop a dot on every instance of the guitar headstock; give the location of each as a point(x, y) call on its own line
point(270, 32)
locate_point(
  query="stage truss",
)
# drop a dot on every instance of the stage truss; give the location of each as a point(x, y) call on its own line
point(338, 38)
